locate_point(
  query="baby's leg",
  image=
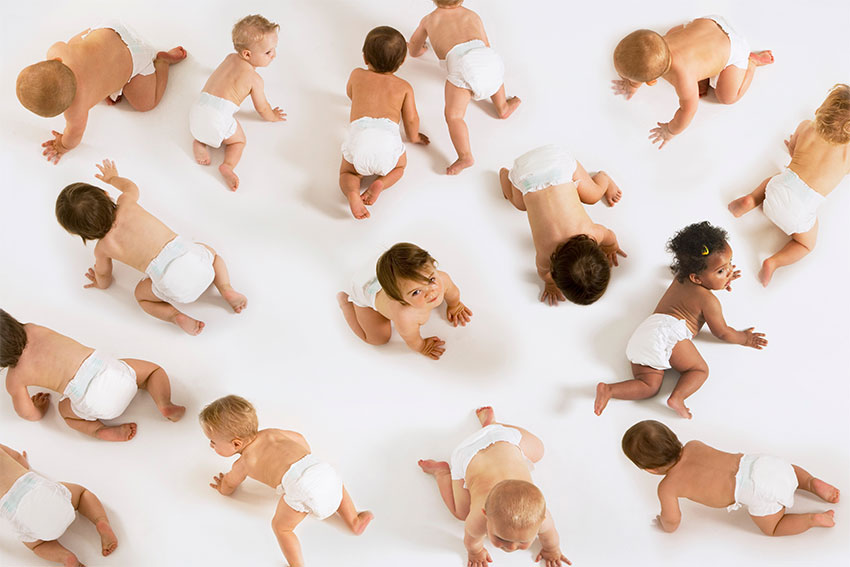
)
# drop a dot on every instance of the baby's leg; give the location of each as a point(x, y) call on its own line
point(733, 82)
point(54, 551)
point(385, 181)
point(158, 386)
point(284, 522)
point(687, 360)
point(646, 383)
point(816, 486)
point(454, 495)
point(504, 106)
point(357, 522)
point(201, 152)
point(782, 524)
point(87, 504)
point(750, 201)
point(237, 301)
point(349, 183)
point(800, 244)
point(457, 99)
point(152, 305)
point(591, 189)
point(233, 147)
point(366, 323)
point(531, 445)
point(510, 192)
point(144, 92)
point(123, 432)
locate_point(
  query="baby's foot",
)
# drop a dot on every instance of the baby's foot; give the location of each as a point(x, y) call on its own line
point(172, 56)
point(742, 205)
point(613, 193)
point(108, 541)
point(358, 209)
point(229, 176)
point(362, 520)
point(679, 407)
point(761, 58)
point(603, 394)
point(510, 105)
point(173, 412)
point(824, 519)
point(371, 194)
point(702, 87)
point(459, 165)
point(433, 467)
point(236, 300)
point(189, 325)
point(202, 154)
point(824, 491)
point(766, 272)
point(485, 415)
point(505, 182)
point(123, 432)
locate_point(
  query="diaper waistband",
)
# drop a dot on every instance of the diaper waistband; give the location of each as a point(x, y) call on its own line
point(21, 487)
point(170, 252)
point(218, 103)
point(462, 49)
point(92, 366)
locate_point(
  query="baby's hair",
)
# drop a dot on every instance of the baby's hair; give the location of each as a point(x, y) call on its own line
point(515, 505)
point(85, 210)
point(13, 340)
point(231, 415)
point(580, 269)
point(642, 56)
point(692, 246)
point(832, 119)
point(447, 3)
point(650, 445)
point(404, 261)
point(385, 49)
point(251, 29)
point(47, 88)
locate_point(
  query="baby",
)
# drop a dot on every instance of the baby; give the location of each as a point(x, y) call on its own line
point(691, 57)
point(94, 65)
point(702, 264)
point(40, 510)
point(211, 119)
point(94, 386)
point(475, 71)
point(488, 486)
point(574, 255)
point(178, 270)
point(820, 158)
point(700, 473)
point(379, 100)
point(283, 460)
point(407, 287)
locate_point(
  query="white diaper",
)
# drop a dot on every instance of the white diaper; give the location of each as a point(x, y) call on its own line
point(364, 289)
point(541, 168)
point(739, 48)
point(478, 441)
point(311, 486)
point(474, 66)
point(653, 341)
point(765, 484)
point(102, 388)
point(182, 271)
point(141, 53)
point(37, 508)
point(211, 120)
point(373, 145)
point(790, 203)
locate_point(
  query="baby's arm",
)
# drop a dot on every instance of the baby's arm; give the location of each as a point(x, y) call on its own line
point(416, 46)
point(713, 315)
point(109, 174)
point(227, 483)
point(31, 408)
point(670, 515)
point(408, 328)
point(551, 294)
point(261, 103)
point(551, 544)
point(75, 126)
point(411, 119)
point(791, 142)
point(457, 312)
point(688, 91)
point(101, 275)
point(474, 532)
point(609, 245)
point(20, 457)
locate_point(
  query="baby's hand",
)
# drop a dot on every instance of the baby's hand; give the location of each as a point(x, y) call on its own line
point(108, 171)
point(624, 87)
point(480, 559)
point(735, 275)
point(459, 314)
point(432, 347)
point(551, 294)
point(611, 253)
point(423, 140)
point(755, 340)
point(552, 558)
point(661, 134)
point(41, 401)
point(53, 149)
point(279, 114)
point(92, 280)
point(218, 482)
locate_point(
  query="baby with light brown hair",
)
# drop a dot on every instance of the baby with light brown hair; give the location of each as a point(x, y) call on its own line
point(96, 64)
point(282, 460)
point(820, 160)
point(488, 486)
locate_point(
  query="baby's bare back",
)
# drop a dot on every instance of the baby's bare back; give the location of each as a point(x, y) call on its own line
point(686, 301)
point(500, 461)
point(232, 80)
point(820, 164)
point(10, 471)
point(377, 95)
point(699, 49)
point(271, 453)
point(704, 475)
point(136, 237)
point(49, 360)
point(448, 27)
point(555, 214)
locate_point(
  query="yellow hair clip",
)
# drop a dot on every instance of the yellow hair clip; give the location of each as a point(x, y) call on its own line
point(705, 251)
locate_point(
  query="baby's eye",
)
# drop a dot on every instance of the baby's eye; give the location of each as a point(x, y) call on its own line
point(432, 279)
point(415, 293)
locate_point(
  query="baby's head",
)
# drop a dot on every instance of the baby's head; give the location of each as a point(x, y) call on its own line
point(85, 210)
point(255, 40)
point(642, 56)
point(832, 119)
point(448, 3)
point(46, 88)
point(580, 269)
point(514, 510)
point(229, 423)
point(13, 340)
point(652, 446)
point(701, 255)
point(384, 49)
point(408, 274)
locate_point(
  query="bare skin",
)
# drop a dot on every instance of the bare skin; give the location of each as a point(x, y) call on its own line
point(465, 498)
point(378, 95)
point(235, 79)
point(447, 27)
point(135, 239)
point(821, 165)
point(556, 214)
point(102, 66)
point(707, 476)
point(267, 457)
point(698, 50)
point(693, 301)
point(375, 326)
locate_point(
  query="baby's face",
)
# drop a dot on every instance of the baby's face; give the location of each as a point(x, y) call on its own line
point(510, 540)
point(423, 294)
point(718, 273)
point(264, 51)
point(221, 443)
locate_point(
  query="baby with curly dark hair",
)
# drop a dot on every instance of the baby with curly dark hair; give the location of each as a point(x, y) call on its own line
point(702, 264)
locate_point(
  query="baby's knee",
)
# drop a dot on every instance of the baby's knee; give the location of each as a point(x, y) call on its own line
point(379, 338)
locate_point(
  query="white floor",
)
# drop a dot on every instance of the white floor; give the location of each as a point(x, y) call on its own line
point(290, 244)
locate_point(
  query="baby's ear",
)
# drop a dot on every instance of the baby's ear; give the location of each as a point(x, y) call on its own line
point(56, 59)
point(695, 279)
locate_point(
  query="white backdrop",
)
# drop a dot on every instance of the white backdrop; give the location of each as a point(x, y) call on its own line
point(290, 244)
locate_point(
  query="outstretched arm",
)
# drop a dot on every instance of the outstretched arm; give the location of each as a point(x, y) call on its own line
point(416, 46)
point(551, 293)
point(70, 138)
point(21, 458)
point(227, 483)
point(791, 142)
point(474, 532)
point(609, 245)
point(410, 118)
point(261, 103)
point(713, 315)
point(670, 514)
point(457, 312)
point(109, 174)
point(551, 544)
point(688, 91)
point(432, 347)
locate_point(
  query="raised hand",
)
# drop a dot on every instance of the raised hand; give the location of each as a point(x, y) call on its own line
point(624, 87)
point(108, 171)
point(735, 275)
